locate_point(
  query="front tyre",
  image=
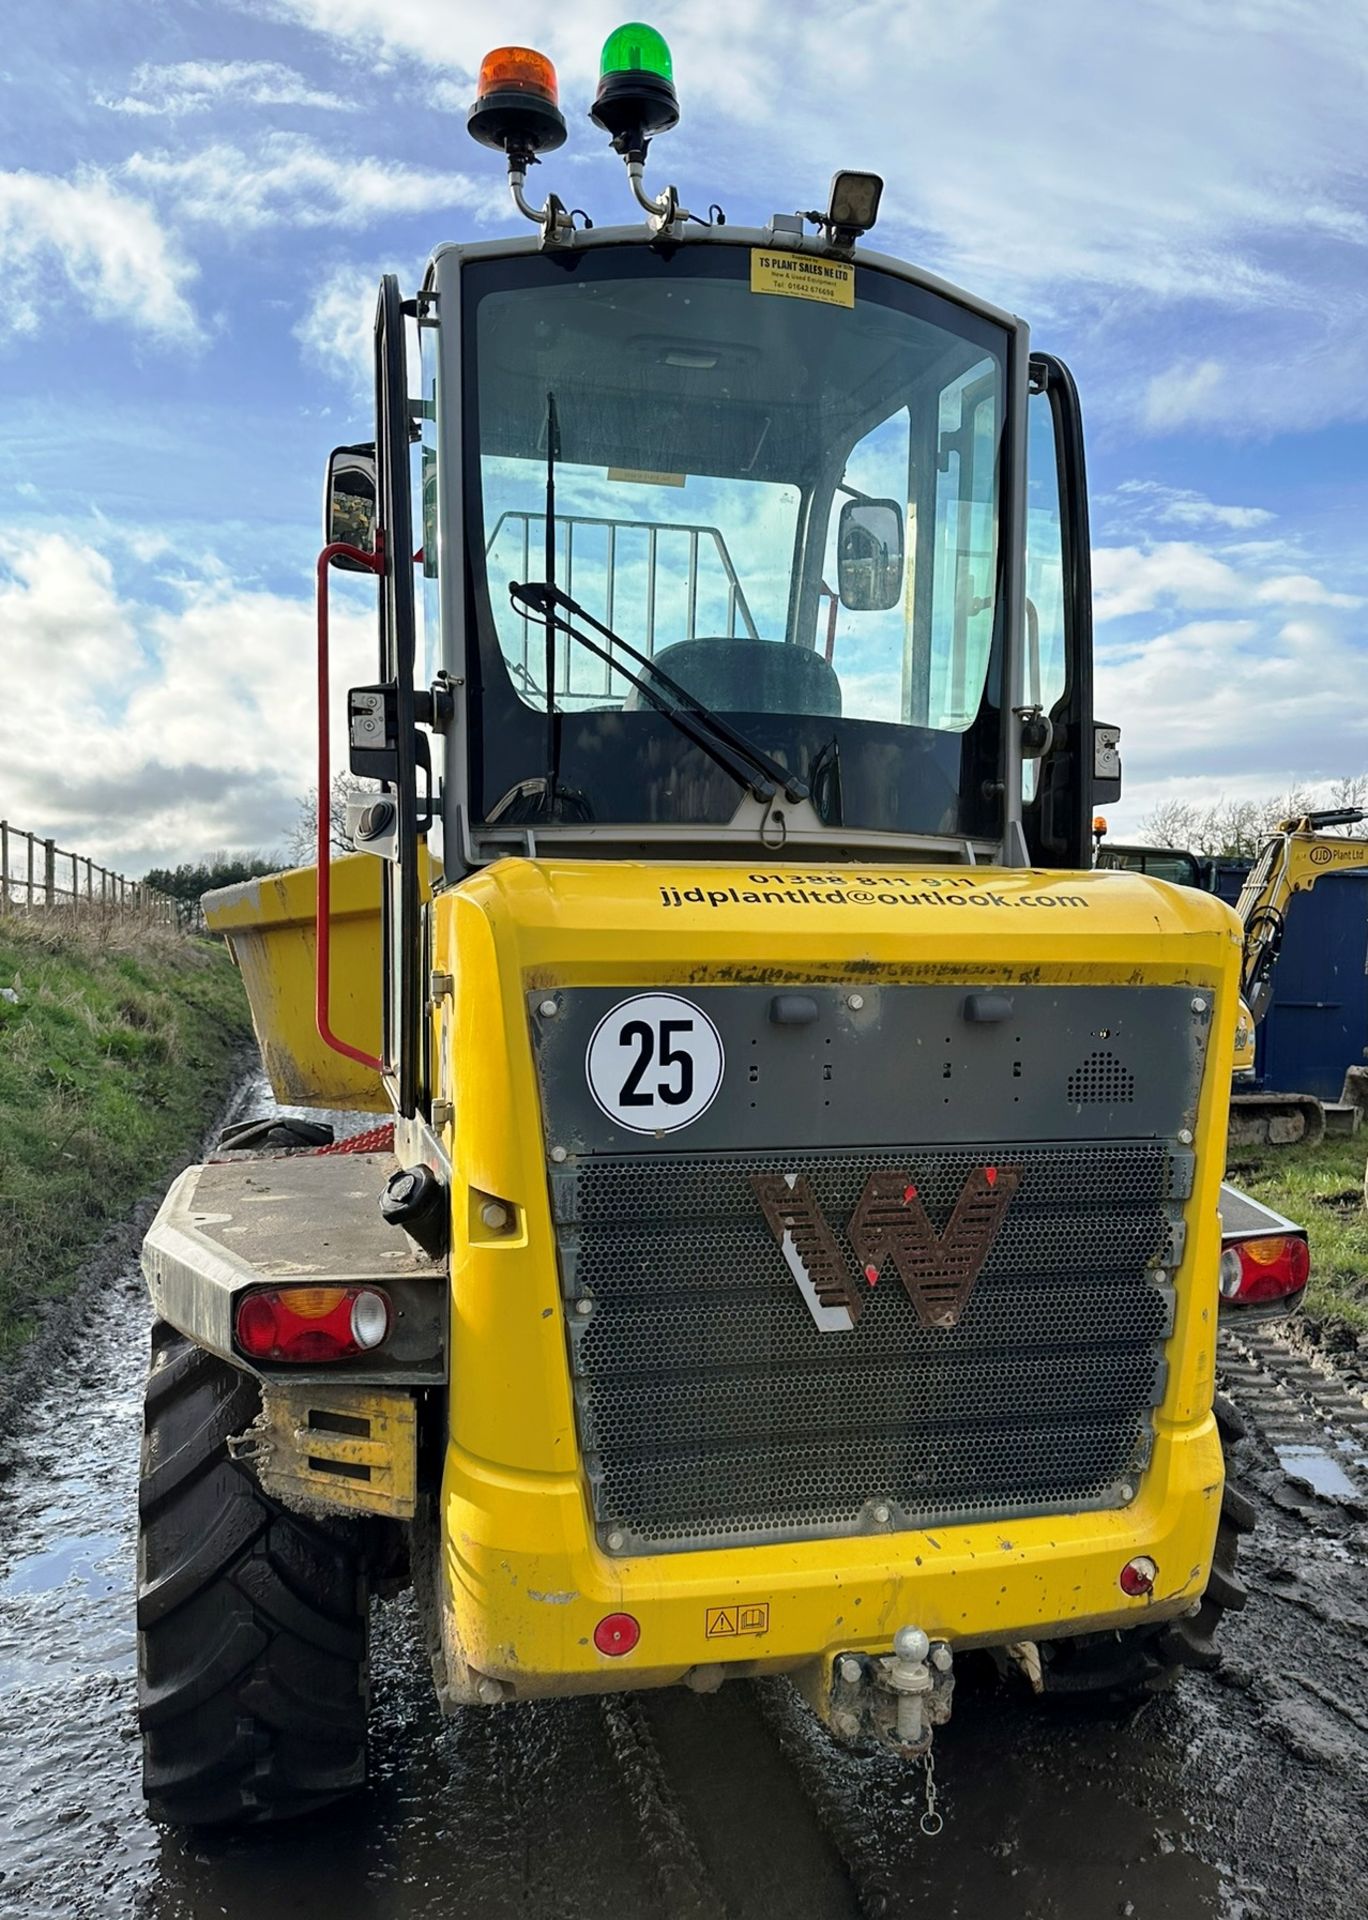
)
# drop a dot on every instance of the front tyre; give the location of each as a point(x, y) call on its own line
point(252, 1631)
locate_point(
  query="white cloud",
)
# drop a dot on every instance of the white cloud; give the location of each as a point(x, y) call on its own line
point(336, 332)
point(1260, 691)
point(1180, 506)
point(1301, 590)
point(1187, 391)
point(1138, 158)
point(87, 240)
point(1134, 579)
point(1183, 575)
point(62, 596)
point(286, 180)
point(155, 733)
point(1235, 707)
point(338, 327)
point(194, 86)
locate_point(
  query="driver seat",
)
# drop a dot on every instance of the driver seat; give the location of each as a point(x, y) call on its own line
point(750, 676)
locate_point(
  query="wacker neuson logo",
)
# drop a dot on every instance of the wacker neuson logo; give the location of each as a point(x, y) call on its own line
point(889, 1226)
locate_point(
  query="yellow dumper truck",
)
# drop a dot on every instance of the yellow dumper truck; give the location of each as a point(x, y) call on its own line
point(792, 1245)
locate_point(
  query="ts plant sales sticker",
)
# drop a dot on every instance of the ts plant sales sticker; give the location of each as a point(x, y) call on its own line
point(803, 277)
point(654, 1063)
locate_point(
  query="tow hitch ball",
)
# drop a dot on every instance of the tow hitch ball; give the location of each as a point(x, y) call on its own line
point(897, 1700)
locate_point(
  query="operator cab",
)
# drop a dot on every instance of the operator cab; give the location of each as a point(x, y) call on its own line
point(731, 541)
point(733, 471)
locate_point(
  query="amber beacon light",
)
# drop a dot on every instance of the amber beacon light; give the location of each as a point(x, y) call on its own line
point(517, 104)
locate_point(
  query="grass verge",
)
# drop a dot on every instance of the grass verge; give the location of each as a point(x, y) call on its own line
point(119, 1047)
point(1321, 1188)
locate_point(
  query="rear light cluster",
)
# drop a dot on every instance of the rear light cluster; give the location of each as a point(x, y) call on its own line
point(1138, 1576)
point(311, 1324)
point(1265, 1269)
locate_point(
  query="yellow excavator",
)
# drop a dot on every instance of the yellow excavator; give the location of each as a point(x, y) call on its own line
point(793, 1243)
point(1296, 854)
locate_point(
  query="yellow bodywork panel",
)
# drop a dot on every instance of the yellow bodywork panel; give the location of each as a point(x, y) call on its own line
point(524, 1580)
point(269, 926)
point(335, 1448)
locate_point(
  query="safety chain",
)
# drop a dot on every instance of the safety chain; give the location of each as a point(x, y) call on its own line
point(931, 1821)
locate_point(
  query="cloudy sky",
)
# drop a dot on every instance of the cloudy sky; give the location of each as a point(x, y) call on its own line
point(196, 197)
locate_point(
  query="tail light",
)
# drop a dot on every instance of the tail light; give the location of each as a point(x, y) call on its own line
point(307, 1325)
point(1266, 1269)
point(1138, 1576)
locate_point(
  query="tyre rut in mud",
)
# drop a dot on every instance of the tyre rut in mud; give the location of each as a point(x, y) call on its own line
point(1140, 1661)
point(252, 1630)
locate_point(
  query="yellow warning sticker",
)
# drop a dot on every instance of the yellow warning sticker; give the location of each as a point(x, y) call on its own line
point(729, 1623)
point(644, 479)
point(803, 277)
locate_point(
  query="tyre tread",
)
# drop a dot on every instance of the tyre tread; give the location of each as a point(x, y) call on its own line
point(252, 1655)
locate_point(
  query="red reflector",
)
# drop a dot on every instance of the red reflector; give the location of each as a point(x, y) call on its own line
point(1271, 1268)
point(1138, 1576)
point(310, 1324)
point(616, 1633)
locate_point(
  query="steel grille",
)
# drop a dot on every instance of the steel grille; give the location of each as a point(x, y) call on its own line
point(712, 1409)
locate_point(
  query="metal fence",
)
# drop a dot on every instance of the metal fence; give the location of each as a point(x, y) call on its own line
point(38, 875)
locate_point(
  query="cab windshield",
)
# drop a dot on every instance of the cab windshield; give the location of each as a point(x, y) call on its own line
point(789, 502)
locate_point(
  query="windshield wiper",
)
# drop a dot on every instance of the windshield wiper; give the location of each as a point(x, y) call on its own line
point(748, 764)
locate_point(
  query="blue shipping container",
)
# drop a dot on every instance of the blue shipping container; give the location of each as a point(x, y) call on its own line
point(1318, 1022)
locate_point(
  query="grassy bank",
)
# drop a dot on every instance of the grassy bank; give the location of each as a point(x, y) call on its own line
point(113, 1058)
point(1321, 1188)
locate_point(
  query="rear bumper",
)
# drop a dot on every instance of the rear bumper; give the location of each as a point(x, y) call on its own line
point(524, 1583)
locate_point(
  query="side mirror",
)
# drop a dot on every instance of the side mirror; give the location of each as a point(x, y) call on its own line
point(349, 502)
point(869, 555)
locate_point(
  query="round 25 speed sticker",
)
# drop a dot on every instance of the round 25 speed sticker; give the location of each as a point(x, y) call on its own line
point(654, 1063)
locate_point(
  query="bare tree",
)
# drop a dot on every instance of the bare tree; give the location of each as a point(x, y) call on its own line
point(1174, 823)
point(1236, 829)
point(1351, 792)
point(303, 840)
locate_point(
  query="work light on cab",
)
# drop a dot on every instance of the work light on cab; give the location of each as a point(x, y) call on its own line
point(517, 104)
point(636, 98)
point(852, 206)
point(309, 1325)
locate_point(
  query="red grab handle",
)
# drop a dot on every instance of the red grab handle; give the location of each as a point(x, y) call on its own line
point(373, 563)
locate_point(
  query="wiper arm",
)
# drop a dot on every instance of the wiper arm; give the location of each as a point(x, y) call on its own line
point(748, 764)
point(533, 597)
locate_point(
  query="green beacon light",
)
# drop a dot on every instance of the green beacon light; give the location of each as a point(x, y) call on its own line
point(636, 99)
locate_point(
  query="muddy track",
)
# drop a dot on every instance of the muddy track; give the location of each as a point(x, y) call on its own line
point(1242, 1795)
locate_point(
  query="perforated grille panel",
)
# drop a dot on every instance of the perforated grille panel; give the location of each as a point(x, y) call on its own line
point(1101, 1081)
point(713, 1409)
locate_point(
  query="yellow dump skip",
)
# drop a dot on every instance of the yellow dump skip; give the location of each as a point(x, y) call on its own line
point(269, 926)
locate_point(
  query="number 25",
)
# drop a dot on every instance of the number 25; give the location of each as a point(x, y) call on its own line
point(647, 1040)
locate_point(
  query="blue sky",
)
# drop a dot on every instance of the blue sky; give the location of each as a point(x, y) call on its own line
point(197, 196)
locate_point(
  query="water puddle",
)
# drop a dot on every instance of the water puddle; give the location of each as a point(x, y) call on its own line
point(92, 1560)
point(1321, 1471)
